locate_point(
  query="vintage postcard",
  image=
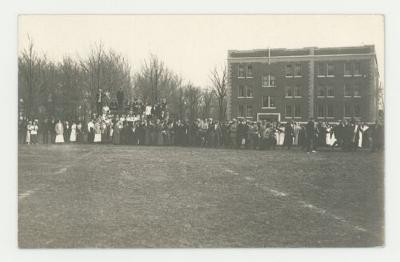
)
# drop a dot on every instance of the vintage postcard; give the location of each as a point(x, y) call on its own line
point(200, 131)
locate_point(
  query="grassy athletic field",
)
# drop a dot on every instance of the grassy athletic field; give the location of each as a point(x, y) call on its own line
point(73, 196)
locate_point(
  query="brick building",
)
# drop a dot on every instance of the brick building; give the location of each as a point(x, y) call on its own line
point(329, 84)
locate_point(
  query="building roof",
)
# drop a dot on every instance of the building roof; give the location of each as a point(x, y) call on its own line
point(270, 52)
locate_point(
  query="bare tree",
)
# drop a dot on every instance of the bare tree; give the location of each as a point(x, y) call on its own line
point(218, 80)
point(68, 89)
point(153, 79)
point(207, 97)
point(192, 95)
point(27, 64)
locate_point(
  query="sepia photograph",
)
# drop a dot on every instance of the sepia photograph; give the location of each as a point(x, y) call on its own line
point(201, 131)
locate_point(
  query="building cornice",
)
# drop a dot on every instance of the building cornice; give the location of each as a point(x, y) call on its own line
point(274, 59)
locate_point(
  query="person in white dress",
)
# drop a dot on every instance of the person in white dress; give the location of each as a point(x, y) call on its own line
point(280, 134)
point(59, 133)
point(97, 132)
point(296, 131)
point(330, 136)
point(363, 139)
point(29, 128)
point(72, 137)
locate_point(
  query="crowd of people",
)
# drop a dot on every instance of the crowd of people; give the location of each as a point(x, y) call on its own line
point(239, 133)
point(150, 124)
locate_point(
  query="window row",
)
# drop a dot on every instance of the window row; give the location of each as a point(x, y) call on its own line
point(295, 70)
point(245, 91)
point(323, 110)
point(296, 91)
point(352, 90)
point(328, 110)
point(329, 91)
point(292, 110)
point(268, 81)
point(246, 111)
point(352, 69)
point(352, 110)
point(245, 71)
point(325, 91)
point(328, 69)
point(292, 92)
point(325, 69)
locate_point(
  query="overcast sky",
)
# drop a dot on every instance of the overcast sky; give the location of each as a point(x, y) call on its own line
point(192, 45)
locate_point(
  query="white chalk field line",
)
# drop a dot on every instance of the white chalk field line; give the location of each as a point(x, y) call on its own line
point(301, 203)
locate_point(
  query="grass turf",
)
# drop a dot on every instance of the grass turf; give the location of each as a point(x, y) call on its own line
point(105, 196)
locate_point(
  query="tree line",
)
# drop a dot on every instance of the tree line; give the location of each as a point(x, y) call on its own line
point(67, 89)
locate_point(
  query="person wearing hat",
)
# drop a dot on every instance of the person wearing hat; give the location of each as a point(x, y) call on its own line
point(289, 134)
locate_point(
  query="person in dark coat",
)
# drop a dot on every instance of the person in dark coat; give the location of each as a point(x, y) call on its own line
point(310, 136)
point(239, 134)
point(45, 131)
point(67, 131)
point(338, 132)
point(347, 136)
point(321, 134)
point(289, 134)
point(302, 137)
point(140, 133)
point(377, 136)
point(21, 130)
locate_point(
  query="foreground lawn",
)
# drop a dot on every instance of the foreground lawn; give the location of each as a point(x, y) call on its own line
point(74, 196)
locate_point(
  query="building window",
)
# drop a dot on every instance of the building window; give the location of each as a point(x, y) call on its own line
point(347, 110)
point(249, 111)
point(330, 70)
point(357, 69)
point(268, 102)
point(297, 91)
point(249, 92)
point(288, 71)
point(265, 81)
point(347, 69)
point(356, 90)
point(241, 71)
point(297, 110)
point(297, 70)
point(330, 91)
point(268, 81)
point(329, 110)
point(357, 110)
point(272, 80)
point(288, 110)
point(321, 70)
point(321, 91)
point(242, 92)
point(288, 92)
point(320, 110)
point(241, 110)
point(249, 71)
point(347, 90)
point(326, 70)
